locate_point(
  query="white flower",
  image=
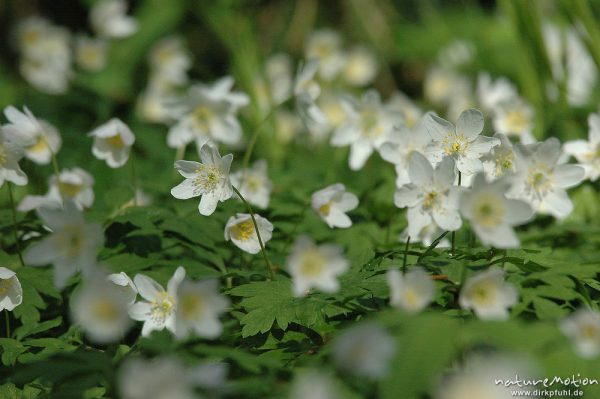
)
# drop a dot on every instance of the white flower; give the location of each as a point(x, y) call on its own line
point(90, 53)
point(491, 214)
point(161, 378)
point(443, 86)
point(515, 118)
point(170, 61)
point(315, 266)
point(209, 179)
point(199, 305)
point(313, 384)
point(583, 328)
point(360, 67)
point(541, 181)
point(488, 295)
point(112, 142)
point(330, 104)
point(158, 309)
point(463, 143)
point(41, 137)
point(401, 104)
point(367, 127)
point(279, 71)
point(71, 185)
point(457, 53)
point(11, 293)
point(331, 204)
point(108, 19)
point(207, 112)
point(254, 184)
point(430, 196)
point(411, 291)
point(501, 159)
point(307, 90)
point(11, 152)
point(405, 141)
point(364, 350)
point(240, 230)
point(152, 105)
point(426, 236)
point(492, 93)
point(101, 311)
point(587, 152)
point(125, 286)
point(72, 246)
point(325, 46)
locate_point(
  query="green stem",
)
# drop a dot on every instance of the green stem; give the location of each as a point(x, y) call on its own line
point(405, 254)
point(254, 138)
point(15, 223)
point(262, 246)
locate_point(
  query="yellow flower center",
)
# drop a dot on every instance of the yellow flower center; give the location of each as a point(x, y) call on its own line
point(430, 200)
point(590, 331)
point(242, 231)
point(371, 126)
point(253, 183)
point(4, 286)
point(489, 211)
point(484, 293)
point(71, 240)
point(162, 307)
point(504, 162)
point(516, 121)
point(455, 144)
point(69, 189)
point(3, 154)
point(325, 209)
point(313, 264)
point(30, 37)
point(191, 305)
point(105, 310)
point(40, 145)
point(540, 178)
point(411, 298)
point(208, 177)
point(202, 117)
point(115, 141)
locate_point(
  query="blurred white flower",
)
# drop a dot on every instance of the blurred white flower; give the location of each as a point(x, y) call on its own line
point(331, 204)
point(125, 285)
point(313, 384)
point(514, 118)
point(41, 138)
point(199, 305)
point(71, 185)
point(360, 66)
point(11, 293)
point(240, 230)
point(490, 93)
point(364, 350)
point(583, 328)
point(488, 295)
point(158, 309)
point(491, 214)
point(542, 181)
point(315, 266)
point(330, 103)
point(307, 90)
point(101, 310)
point(501, 159)
point(108, 19)
point(587, 152)
point(325, 46)
point(462, 142)
point(11, 152)
point(170, 61)
point(209, 179)
point(411, 291)
point(441, 86)
point(279, 72)
point(426, 236)
point(254, 184)
point(207, 112)
point(457, 53)
point(430, 196)
point(90, 53)
point(367, 127)
point(152, 105)
point(112, 142)
point(71, 246)
point(400, 103)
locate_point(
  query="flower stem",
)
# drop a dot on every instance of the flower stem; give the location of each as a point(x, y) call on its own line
point(7, 320)
point(254, 138)
point(15, 223)
point(405, 254)
point(262, 246)
point(453, 235)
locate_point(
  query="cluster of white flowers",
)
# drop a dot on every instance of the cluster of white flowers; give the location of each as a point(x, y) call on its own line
point(48, 51)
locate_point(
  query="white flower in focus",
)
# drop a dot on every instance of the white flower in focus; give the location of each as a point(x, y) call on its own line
point(360, 67)
point(41, 137)
point(315, 266)
point(207, 112)
point(367, 127)
point(501, 159)
point(411, 291)
point(90, 53)
point(158, 310)
point(209, 179)
point(108, 19)
point(313, 384)
point(462, 142)
point(542, 181)
point(587, 152)
point(430, 196)
point(488, 295)
point(490, 93)
point(11, 293)
point(199, 305)
point(240, 230)
point(11, 152)
point(170, 60)
point(71, 185)
point(161, 378)
point(491, 214)
point(254, 184)
point(331, 204)
point(364, 350)
point(125, 286)
point(101, 311)
point(583, 328)
point(325, 46)
point(514, 118)
point(112, 142)
point(71, 246)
